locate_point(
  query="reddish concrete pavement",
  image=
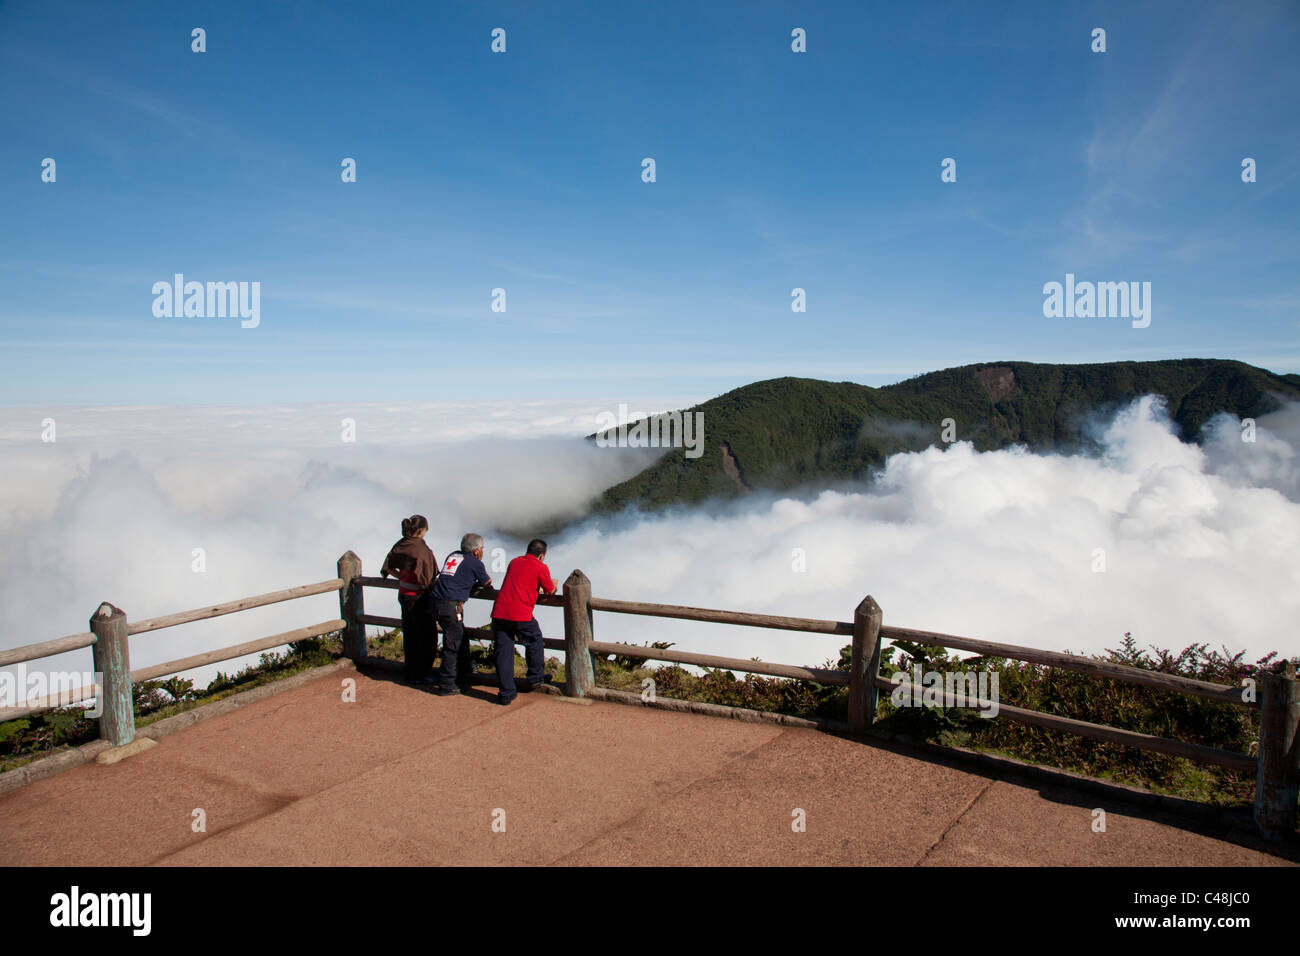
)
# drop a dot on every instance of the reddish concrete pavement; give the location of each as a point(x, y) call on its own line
point(404, 777)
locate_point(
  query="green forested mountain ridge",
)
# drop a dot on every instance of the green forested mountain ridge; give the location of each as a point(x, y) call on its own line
point(789, 432)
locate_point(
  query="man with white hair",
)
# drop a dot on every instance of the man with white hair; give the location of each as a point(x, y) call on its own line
point(462, 574)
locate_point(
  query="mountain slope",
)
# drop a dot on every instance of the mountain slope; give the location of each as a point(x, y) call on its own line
point(787, 432)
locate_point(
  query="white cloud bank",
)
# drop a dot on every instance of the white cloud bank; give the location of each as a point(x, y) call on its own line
point(1200, 543)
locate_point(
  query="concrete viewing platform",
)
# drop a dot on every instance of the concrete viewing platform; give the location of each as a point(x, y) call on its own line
point(403, 777)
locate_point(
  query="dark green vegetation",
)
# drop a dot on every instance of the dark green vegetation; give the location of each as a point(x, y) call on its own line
point(787, 433)
point(1031, 686)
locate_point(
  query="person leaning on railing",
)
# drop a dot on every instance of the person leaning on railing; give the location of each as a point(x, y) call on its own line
point(512, 620)
point(413, 564)
point(462, 575)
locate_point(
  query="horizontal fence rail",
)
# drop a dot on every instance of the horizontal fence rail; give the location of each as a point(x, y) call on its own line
point(60, 698)
point(379, 620)
point(60, 645)
point(708, 615)
point(485, 594)
point(1132, 738)
point(815, 674)
point(1223, 693)
point(216, 610)
point(236, 650)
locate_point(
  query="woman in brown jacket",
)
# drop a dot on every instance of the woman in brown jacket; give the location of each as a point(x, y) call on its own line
point(414, 566)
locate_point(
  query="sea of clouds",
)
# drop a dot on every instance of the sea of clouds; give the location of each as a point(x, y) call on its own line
point(1200, 542)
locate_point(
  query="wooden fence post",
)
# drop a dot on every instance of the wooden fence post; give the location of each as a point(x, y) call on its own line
point(351, 607)
point(111, 653)
point(864, 665)
point(579, 674)
point(1277, 779)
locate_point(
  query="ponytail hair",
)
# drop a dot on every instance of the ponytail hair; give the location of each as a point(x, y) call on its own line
point(414, 524)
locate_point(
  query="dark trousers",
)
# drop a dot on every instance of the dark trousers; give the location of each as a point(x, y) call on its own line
point(455, 649)
point(418, 635)
point(505, 634)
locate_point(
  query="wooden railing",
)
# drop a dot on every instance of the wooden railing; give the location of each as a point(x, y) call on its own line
point(109, 643)
point(1276, 769)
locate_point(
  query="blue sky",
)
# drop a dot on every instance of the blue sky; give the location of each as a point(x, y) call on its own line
point(522, 171)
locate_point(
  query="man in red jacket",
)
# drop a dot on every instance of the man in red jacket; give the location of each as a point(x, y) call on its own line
point(512, 619)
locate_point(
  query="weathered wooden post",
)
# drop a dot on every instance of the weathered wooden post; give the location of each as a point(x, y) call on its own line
point(1277, 779)
point(111, 653)
point(351, 607)
point(579, 674)
point(864, 664)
